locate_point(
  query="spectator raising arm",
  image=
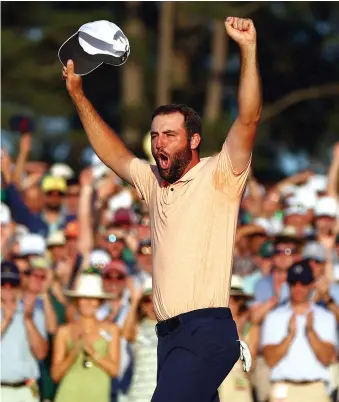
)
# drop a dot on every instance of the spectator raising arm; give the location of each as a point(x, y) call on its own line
point(106, 143)
point(24, 150)
point(333, 174)
point(241, 136)
point(129, 330)
point(85, 239)
point(21, 213)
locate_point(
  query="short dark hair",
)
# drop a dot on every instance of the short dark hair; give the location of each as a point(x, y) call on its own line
point(192, 120)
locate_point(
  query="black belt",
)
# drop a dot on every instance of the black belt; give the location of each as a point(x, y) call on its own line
point(14, 384)
point(305, 382)
point(166, 327)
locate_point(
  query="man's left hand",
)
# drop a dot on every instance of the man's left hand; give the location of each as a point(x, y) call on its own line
point(241, 30)
point(309, 321)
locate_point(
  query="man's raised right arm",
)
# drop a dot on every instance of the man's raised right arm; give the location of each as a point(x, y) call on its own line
point(105, 142)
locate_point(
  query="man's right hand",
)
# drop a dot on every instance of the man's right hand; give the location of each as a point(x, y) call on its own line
point(73, 81)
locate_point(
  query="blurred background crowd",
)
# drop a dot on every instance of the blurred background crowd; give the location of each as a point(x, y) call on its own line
point(77, 322)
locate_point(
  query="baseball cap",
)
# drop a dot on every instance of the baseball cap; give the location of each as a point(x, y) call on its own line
point(115, 266)
point(5, 214)
point(326, 206)
point(10, 273)
point(32, 244)
point(266, 250)
point(300, 272)
point(53, 183)
point(99, 258)
point(295, 210)
point(62, 170)
point(315, 251)
point(123, 216)
point(93, 44)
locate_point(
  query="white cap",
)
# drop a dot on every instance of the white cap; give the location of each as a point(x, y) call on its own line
point(5, 214)
point(304, 196)
point(99, 170)
point(326, 206)
point(32, 243)
point(318, 183)
point(95, 43)
point(123, 199)
point(99, 258)
point(295, 210)
point(62, 170)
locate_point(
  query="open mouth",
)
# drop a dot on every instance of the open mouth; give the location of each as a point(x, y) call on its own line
point(163, 161)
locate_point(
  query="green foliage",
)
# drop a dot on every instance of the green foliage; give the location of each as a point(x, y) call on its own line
point(297, 44)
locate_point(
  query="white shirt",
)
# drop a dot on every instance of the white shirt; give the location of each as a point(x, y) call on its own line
point(300, 362)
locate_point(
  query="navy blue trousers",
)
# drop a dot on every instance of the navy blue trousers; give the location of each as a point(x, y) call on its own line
point(196, 351)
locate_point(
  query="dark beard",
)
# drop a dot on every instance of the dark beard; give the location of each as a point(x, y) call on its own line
point(178, 164)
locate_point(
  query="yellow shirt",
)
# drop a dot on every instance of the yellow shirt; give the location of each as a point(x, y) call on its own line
point(193, 224)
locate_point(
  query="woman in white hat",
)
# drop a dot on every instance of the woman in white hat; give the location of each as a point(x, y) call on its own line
point(139, 329)
point(86, 351)
point(236, 386)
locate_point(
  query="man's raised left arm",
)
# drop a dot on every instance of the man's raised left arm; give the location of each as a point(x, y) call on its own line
point(240, 139)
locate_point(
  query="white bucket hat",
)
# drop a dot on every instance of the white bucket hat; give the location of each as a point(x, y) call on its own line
point(95, 43)
point(237, 288)
point(89, 286)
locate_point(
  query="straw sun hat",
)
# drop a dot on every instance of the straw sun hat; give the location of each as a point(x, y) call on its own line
point(237, 288)
point(89, 286)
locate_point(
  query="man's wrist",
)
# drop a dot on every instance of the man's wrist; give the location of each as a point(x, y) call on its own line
point(249, 49)
point(77, 96)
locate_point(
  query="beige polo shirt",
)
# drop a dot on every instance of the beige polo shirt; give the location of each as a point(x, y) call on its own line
point(193, 224)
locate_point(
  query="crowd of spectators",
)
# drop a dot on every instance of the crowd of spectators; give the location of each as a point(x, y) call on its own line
point(77, 321)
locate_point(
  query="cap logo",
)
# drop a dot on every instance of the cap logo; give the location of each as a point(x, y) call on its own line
point(298, 269)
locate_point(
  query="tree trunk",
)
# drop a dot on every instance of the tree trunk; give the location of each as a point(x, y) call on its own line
point(220, 40)
point(132, 77)
point(164, 59)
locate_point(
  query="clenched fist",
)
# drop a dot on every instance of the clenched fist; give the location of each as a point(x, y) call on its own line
point(73, 81)
point(241, 30)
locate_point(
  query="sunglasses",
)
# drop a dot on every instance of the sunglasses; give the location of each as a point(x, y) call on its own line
point(286, 251)
point(119, 277)
point(40, 277)
point(59, 193)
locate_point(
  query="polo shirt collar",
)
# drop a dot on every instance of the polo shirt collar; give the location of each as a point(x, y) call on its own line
point(188, 176)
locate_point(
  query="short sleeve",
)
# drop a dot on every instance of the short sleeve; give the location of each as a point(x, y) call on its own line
point(273, 329)
point(261, 291)
point(226, 179)
point(326, 327)
point(143, 178)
